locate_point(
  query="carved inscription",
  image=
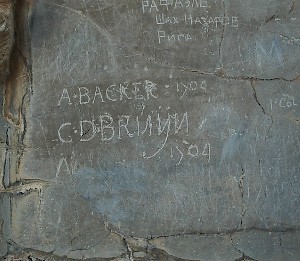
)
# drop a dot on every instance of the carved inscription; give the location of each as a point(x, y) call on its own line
point(187, 15)
point(284, 101)
point(157, 127)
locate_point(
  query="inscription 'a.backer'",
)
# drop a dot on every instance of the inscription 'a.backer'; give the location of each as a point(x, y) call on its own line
point(115, 92)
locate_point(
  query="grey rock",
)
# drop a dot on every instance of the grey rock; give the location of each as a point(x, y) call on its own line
point(61, 226)
point(290, 242)
point(199, 247)
point(273, 246)
point(155, 132)
point(3, 247)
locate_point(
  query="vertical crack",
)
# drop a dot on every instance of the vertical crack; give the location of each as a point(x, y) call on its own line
point(241, 188)
point(234, 246)
point(255, 97)
point(223, 32)
point(6, 165)
point(262, 108)
point(280, 243)
point(129, 252)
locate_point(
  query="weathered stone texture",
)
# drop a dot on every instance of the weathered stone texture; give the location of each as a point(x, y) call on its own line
point(6, 36)
point(136, 130)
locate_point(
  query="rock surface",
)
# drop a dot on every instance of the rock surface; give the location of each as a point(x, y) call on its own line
point(150, 130)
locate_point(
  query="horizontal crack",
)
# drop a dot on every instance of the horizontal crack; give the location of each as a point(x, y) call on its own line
point(19, 253)
point(221, 74)
point(151, 250)
point(229, 232)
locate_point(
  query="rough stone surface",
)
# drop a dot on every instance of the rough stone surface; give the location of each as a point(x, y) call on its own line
point(3, 246)
point(276, 245)
point(150, 130)
point(199, 247)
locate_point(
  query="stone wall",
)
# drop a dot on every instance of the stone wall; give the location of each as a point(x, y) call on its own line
point(150, 130)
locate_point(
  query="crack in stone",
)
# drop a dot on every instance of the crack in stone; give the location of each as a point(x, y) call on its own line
point(20, 253)
point(124, 238)
point(292, 7)
point(223, 32)
point(1, 227)
point(268, 20)
point(244, 257)
point(241, 188)
point(229, 232)
point(6, 161)
point(168, 255)
point(222, 75)
point(275, 16)
point(280, 243)
point(129, 250)
point(24, 120)
point(256, 99)
point(129, 254)
point(231, 241)
point(262, 108)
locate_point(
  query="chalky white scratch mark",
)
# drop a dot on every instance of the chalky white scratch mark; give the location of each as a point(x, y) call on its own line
point(102, 31)
point(202, 124)
point(181, 156)
point(163, 145)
